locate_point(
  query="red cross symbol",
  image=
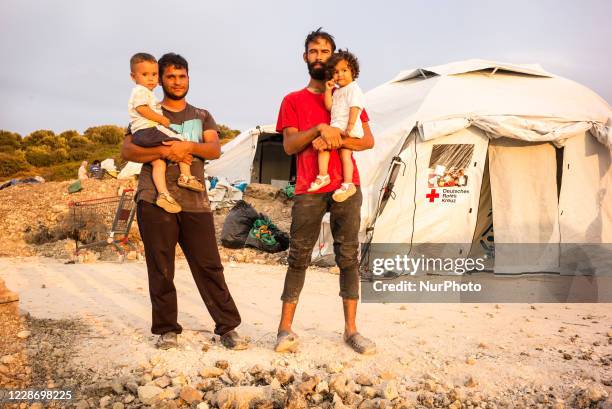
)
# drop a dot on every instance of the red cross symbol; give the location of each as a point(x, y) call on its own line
point(432, 195)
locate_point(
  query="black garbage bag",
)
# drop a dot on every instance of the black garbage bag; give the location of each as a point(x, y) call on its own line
point(237, 225)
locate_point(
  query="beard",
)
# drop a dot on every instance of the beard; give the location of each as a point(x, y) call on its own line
point(169, 94)
point(316, 73)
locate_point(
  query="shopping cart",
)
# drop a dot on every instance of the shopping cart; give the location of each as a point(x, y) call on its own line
point(103, 221)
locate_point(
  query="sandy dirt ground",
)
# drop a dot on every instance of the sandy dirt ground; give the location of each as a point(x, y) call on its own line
point(495, 349)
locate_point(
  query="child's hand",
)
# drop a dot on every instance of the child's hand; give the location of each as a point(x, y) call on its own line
point(330, 85)
point(166, 122)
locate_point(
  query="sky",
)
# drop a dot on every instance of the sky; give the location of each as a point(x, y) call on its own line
point(65, 63)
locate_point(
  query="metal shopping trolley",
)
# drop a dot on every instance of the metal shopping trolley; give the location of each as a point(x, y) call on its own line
point(103, 221)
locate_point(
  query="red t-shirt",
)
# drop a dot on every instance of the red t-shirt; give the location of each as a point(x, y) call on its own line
point(304, 109)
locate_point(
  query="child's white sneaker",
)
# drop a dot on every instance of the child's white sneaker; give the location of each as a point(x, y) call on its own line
point(320, 182)
point(345, 191)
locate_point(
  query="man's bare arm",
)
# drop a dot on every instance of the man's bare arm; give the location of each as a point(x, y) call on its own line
point(355, 144)
point(295, 141)
point(210, 148)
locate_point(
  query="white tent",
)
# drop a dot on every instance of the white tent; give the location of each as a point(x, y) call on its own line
point(466, 145)
point(254, 156)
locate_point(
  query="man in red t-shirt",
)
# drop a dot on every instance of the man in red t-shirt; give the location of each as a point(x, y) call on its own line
point(304, 122)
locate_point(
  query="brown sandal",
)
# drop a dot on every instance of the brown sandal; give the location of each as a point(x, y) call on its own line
point(167, 202)
point(191, 183)
point(360, 344)
point(286, 341)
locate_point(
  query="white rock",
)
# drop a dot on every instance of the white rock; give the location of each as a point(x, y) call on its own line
point(23, 334)
point(158, 371)
point(163, 381)
point(147, 394)
point(7, 359)
point(334, 367)
point(211, 372)
point(179, 380)
point(104, 401)
point(168, 394)
point(388, 390)
point(322, 387)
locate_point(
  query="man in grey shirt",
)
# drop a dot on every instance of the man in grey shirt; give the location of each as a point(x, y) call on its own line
point(192, 228)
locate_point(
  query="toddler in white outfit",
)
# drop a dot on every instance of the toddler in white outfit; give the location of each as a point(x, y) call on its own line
point(345, 103)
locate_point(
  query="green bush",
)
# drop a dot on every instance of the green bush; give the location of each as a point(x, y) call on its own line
point(39, 155)
point(11, 163)
point(54, 142)
point(78, 142)
point(105, 134)
point(225, 132)
point(9, 141)
point(79, 154)
point(60, 155)
point(68, 135)
point(36, 138)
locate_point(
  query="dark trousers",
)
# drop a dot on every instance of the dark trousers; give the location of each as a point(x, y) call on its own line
point(306, 215)
point(150, 137)
point(195, 233)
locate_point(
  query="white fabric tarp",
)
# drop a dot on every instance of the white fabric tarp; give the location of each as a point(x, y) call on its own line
point(524, 194)
point(236, 161)
point(130, 169)
point(585, 201)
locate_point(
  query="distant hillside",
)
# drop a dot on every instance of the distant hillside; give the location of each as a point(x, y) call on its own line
point(58, 156)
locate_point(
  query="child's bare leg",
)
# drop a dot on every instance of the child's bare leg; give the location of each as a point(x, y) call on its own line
point(322, 179)
point(159, 175)
point(347, 165)
point(323, 162)
point(347, 189)
point(164, 200)
point(185, 169)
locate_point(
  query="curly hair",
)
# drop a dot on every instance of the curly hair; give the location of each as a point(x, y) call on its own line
point(346, 55)
point(141, 57)
point(319, 33)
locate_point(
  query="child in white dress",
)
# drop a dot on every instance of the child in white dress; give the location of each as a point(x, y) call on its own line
point(345, 103)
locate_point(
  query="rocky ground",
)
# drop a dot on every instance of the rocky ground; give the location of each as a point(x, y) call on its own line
point(40, 358)
point(86, 327)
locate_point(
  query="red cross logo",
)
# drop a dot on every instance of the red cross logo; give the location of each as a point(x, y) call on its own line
point(432, 196)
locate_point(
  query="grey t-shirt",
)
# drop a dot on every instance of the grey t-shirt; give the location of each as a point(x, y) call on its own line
point(190, 123)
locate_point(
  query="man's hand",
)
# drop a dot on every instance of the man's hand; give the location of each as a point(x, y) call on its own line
point(319, 144)
point(179, 151)
point(331, 136)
